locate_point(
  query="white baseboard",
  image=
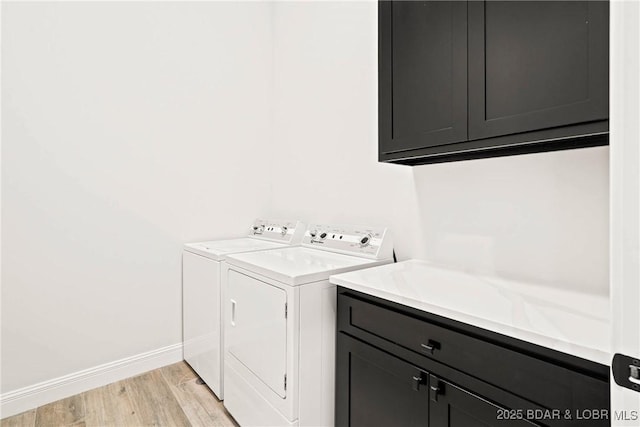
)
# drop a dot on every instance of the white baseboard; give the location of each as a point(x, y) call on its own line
point(23, 399)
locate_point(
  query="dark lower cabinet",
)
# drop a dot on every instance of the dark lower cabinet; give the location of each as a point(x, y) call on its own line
point(379, 389)
point(452, 406)
point(376, 389)
point(398, 366)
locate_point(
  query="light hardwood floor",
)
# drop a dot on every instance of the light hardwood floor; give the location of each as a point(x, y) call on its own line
point(168, 396)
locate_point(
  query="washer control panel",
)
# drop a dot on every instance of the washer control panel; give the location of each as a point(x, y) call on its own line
point(290, 232)
point(370, 242)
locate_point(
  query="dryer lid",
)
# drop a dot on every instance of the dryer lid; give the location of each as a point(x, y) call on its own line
point(219, 249)
point(299, 265)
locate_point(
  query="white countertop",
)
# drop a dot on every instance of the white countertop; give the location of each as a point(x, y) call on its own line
point(567, 321)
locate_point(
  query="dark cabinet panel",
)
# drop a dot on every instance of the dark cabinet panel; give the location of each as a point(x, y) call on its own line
point(452, 406)
point(529, 377)
point(422, 74)
point(475, 377)
point(536, 65)
point(376, 389)
point(464, 80)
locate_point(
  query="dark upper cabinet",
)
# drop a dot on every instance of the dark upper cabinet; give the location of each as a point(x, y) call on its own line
point(423, 74)
point(463, 80)
point(536, 65)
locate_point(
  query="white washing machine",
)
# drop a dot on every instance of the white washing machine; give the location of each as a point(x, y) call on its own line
point(202, 294)
point(280, 322)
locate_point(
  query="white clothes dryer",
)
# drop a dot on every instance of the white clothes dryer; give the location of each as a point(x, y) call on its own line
point(280, 324)
point(202, 294)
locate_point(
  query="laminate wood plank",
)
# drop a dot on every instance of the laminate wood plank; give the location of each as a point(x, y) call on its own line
point(198, 402)
point(25, 419)
point(63, 412)
point(168, 396)
point(111, 405)
point(156, 405)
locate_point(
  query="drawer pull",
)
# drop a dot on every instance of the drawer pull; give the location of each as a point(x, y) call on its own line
point(430, 346)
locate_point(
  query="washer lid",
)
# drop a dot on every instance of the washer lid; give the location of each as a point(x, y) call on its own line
point(219, 249)
point(299, 265)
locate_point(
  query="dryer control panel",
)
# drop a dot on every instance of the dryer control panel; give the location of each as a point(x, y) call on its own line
point(289, 232)
point(369, 242)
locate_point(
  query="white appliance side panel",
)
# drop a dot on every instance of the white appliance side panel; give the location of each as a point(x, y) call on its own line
point(317, 354)
point(257, 330)
point(625, 199)
point(202, 327)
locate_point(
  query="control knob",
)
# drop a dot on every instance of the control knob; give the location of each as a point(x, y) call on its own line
point(365, 240)
point(284, 230)
point(313, 233)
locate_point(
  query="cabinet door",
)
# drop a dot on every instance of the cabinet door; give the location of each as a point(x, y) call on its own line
point(376, 389)
point(422, 71)
point(536, 65)
point(454, 407)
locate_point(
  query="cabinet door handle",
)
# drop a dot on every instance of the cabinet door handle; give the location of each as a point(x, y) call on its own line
point(434, 392)
point(435, 388)
point(416, 383)
point(430, 346)
point(418, 380)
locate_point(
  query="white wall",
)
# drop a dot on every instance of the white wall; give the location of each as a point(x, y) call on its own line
point(129, 128)
point(541, 218)
point(625, 197)
point(124, 125)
